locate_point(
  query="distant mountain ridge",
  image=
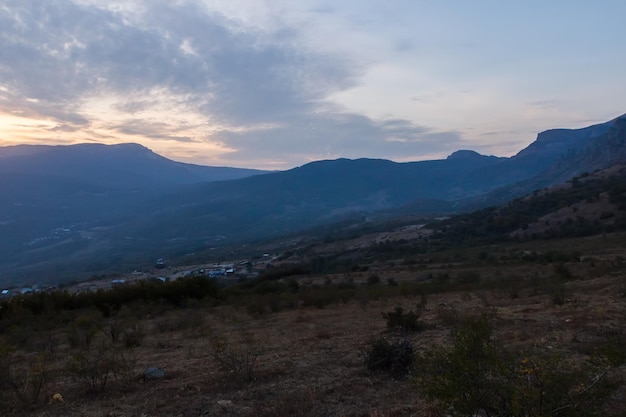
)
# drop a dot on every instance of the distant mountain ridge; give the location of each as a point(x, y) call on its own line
point(560, 154)
point(127, 165)
point(85, 209)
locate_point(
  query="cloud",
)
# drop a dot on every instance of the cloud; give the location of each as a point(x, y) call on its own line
point(545, 104)
point(153, 130)
point(181, 73)
point(329, 136)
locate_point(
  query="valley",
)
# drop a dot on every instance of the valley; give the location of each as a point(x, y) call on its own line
point(126, 206)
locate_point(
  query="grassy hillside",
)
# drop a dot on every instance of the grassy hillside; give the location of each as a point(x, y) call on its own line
point(588, 204)
point(334, 334)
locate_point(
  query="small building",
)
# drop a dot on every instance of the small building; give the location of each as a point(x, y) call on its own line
point(215, 273)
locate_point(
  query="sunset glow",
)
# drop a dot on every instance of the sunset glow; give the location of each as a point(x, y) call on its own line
point(275, 84)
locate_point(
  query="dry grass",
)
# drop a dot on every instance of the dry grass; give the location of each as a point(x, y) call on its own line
point(311, 361)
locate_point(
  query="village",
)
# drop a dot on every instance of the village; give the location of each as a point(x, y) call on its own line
point(228, 272)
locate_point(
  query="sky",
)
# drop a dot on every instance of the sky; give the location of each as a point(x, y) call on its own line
point(274, 84)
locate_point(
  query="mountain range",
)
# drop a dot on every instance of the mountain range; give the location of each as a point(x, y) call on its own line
point(68, 212)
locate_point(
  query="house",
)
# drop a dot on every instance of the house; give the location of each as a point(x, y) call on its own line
point(214, 273)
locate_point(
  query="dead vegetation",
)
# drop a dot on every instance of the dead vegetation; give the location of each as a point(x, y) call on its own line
point(298, 346)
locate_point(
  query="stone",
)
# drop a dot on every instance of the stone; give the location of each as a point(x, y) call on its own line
point(153, 373)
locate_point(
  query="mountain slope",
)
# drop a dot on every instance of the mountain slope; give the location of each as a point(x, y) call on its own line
point(586, 205)
point(309, 195)
point(124, 166)
point(325, 191)
point(136, 206)
point(559, 155)
point(50, 196)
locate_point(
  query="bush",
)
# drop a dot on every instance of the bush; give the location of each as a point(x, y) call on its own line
point(373, 279)
point(132, 336)
point(394, 358)
point(398, 319)
point(236, 357)
point(449, 316)
point(94, 366)
point(613, 350)
point(84, 328)
point(475, 375)
point(468, 277)
point(22, 378)
point(562, 272)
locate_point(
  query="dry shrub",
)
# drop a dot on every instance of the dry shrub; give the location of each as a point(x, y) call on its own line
point(23, 378)
point(395, 358)
point(476, 375)
point(237, 356)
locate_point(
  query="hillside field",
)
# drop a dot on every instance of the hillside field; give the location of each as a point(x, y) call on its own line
point(302, 344)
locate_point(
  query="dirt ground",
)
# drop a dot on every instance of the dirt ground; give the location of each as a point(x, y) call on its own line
point(310, 361)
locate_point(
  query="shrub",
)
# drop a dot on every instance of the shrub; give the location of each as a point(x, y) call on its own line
point(132, 336)
point(84, 328)
point(94, 366)
point(31, 378)
point(468, 277)
point(236, 357)
point(558, 294)
point(398, 319)
point(562, 272)
point(47, 342)
point(449, 316)
point(475, 375)
point(123, 368)
point(373, 279)
point(23, 378)
point(613, 350)
point(395, 358)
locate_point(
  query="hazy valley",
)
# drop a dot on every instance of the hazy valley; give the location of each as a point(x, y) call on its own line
point(77, 211)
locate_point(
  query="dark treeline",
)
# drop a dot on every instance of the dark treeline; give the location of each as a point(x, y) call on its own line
point(108, 301)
